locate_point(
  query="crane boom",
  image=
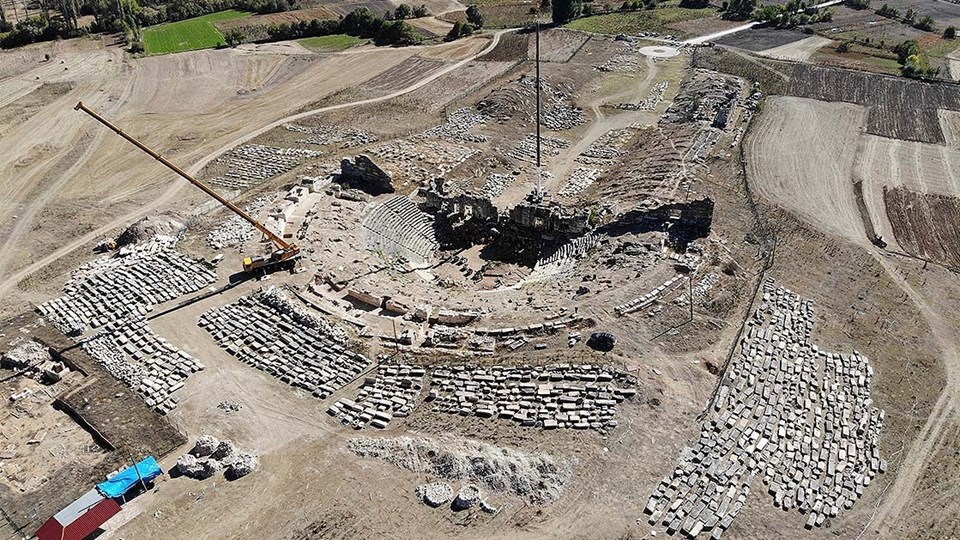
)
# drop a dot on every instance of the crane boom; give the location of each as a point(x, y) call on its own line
point(285, 246)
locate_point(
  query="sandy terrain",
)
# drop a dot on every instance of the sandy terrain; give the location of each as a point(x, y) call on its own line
point(797, 50)
point(800, 156)
point(228, 90)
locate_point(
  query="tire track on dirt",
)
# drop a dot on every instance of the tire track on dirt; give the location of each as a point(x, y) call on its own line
point(944, 411)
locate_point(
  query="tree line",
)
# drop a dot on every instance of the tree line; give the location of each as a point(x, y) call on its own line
point(360, 22)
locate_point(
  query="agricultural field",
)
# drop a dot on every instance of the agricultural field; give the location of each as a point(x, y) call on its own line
point(336, 42)
point(899, 108)
point(925, 225)
point(188, 35)
point(660, 20)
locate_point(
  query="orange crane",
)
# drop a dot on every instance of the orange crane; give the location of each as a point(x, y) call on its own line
point(286, 254)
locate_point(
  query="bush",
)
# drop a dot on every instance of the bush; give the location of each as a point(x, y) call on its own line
point(950, 33)
point(843, 47)
point(888, 12)
point(857, 4)
point(234, 37)
point(459, 30)
point(924, 23)
point(565, 11)
point(694, 4)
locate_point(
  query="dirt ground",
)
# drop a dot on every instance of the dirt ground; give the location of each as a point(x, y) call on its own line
point(63, 168)
point(785, 206)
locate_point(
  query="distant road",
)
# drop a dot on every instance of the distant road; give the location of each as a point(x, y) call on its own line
point(176, 185)
point(723, 33)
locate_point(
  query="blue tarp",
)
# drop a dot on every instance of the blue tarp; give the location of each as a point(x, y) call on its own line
point(147, 469)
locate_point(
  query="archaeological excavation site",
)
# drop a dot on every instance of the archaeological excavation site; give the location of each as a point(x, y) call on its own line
point(538, 281)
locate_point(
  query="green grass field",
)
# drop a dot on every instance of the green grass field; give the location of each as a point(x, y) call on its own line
point(655, 20)
point(336, 42)
point(187, 35)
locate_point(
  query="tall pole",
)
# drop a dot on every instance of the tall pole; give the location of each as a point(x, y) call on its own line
point(539, 180)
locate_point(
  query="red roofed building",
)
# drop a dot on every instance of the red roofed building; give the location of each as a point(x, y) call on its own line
point(80, 518)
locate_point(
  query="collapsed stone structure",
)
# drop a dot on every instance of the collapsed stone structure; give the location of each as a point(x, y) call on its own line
point(363, 174)
point(683, 222)
point(463, 219)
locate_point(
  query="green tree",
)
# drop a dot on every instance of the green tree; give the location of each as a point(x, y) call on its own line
point(843, 47)
point(906, 49)
point(565, 11)
point(403, 11)
point(910, 16)
point(474, 17)
point(739, 10)
point(950, 33)
point(234, 37)
point(421, 11)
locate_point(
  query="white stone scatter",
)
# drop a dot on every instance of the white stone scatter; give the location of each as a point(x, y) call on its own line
point(268, 331)
point(789, 418)
point(253, 164)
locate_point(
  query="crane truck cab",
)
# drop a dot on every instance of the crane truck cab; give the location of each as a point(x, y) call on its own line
point(279, 259)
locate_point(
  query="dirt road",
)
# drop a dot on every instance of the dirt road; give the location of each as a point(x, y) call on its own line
point(170, 193)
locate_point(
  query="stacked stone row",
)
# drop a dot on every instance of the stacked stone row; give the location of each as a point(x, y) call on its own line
point(607, 149)
point(496, 184)
point(647, 299)
point(141, 281)
point(130, 351)
point(458, 126)
point(653, 98)
point(798, 419)
point(324, 135)
point(400, 229)
point(267, 334)
point(253, 164)
point(391, 393)
point(577, 396)
point(526, 149)
point(410, 158)
point(237, 230)
point(580, 179)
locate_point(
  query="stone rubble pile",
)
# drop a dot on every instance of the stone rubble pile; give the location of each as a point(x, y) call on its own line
point(252, 164)
point(237, 230)
point(700, 290)
point(578, 396)
point(392, 393)
point(526, 149)
point(702, 146)
point(399, 229)
point(558, 113)
point(419, 162)
point(496, 184)
point(580, 179)
point(131, 284)
point(648, 299)
point(467, 497)
point(537, 478)
point(796, 418)
point(627, 60)
point(267, 331)
point(324, 135)
point(653, 98)
point(458, 126)
point(210, 456)
point(607, 149)
point(130, 351)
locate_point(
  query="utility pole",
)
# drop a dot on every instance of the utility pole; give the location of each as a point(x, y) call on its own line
point(539, 178)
